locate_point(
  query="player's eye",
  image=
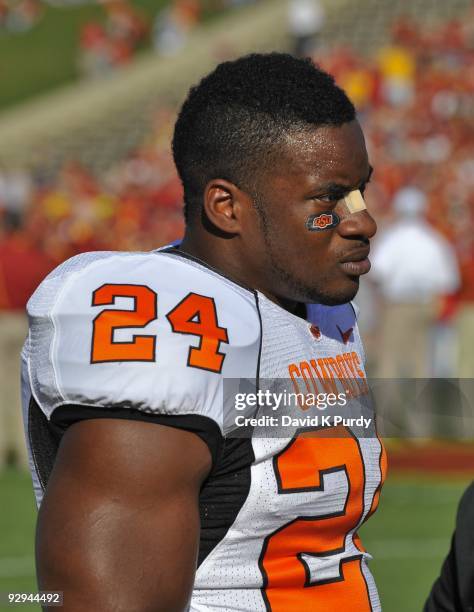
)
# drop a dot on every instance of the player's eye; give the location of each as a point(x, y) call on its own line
point(330, 198)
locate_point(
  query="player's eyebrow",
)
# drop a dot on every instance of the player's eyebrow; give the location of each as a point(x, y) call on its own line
point(341, 188)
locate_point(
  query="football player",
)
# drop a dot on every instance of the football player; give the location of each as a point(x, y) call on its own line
point(148, 501)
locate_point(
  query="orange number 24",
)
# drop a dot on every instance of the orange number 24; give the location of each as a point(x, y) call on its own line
point(195, 315)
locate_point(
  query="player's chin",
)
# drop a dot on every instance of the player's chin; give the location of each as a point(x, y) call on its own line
point(341, 293)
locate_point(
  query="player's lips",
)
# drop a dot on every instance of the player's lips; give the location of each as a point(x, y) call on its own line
point(357, 262)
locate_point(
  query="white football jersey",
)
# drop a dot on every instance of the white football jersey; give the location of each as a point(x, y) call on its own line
point(164, 338)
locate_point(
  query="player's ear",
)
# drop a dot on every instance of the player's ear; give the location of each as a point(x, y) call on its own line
point(223, 205)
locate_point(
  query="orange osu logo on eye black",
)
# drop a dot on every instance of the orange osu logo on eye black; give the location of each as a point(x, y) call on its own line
point(323, 221)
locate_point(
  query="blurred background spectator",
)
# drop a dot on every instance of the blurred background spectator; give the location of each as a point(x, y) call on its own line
point(173, 24)
point(414, 268)
point(19, 15)
point(415, 271)
point(305, 22)
point(104, 47)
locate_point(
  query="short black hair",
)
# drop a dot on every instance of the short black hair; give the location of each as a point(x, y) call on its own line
point(231, 120)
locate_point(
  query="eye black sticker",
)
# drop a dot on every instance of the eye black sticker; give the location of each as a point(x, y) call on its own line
point(323, 221)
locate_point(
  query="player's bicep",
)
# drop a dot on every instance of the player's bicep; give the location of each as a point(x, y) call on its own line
point(119, 524)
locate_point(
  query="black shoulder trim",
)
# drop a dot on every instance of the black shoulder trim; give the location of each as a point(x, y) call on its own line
point(257, 376)
point(353, 310)
point(224, 493)
point(202, 426)
point(44, 442)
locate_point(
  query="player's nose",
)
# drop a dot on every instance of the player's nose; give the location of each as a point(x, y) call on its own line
point(358, 224)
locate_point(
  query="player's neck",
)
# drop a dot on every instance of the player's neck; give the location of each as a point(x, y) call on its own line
point(217, 256)
point(230, 267)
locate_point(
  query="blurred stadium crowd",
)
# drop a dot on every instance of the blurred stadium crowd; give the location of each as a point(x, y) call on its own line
point(112, 44)
point(113, 40)
point(414, 98)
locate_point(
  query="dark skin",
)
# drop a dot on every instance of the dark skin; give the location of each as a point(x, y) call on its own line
point(119, 525)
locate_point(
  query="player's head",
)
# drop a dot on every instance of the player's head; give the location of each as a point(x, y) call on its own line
point(261, 144)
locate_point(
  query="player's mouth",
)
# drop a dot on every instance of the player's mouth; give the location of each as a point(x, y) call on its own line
point(357, 262)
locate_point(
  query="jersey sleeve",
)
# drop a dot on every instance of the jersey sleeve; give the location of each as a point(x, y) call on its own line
point(141, 336)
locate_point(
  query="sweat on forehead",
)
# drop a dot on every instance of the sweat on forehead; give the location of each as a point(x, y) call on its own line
point(324, 155)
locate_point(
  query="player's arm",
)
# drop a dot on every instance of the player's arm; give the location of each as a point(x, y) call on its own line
point(118, 528)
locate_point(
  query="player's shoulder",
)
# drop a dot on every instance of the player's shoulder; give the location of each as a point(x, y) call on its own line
point(156, 332)
point(78, 269)
point(166, 273)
